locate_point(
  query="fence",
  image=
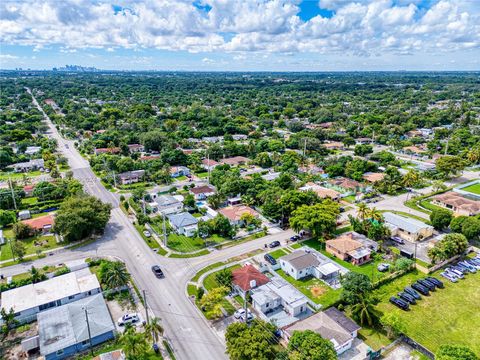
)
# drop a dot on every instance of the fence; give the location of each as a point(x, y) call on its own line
point(418, 347)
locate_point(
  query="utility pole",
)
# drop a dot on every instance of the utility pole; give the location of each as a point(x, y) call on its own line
point(164, 229)
point(446, 147)
point(13, 194)
point(208, 167)
point(146, 306)
point(114, 179)
point(143, 205)
point(89, 332)
point(245, 307)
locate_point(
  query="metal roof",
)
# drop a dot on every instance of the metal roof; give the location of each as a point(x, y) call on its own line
point(404, 223)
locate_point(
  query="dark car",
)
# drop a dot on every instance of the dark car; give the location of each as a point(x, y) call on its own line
point(270, 259)
point(421, 289)
point(430, 286)
point(397, 240)
point(436, 281)
point(295, 238)
point(157, 271)
point(274, 244)
point(412, 292)
point(407, 297)
point(399, 303)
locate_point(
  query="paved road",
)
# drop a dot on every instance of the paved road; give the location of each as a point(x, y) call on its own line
point(189, 333)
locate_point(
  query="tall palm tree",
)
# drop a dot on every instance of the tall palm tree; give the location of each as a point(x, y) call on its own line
point(374, 214)
point(364, 311)
point(114, 274)
point(362, 210)
point(134, 344)
point(35, 275)
point(154, 329)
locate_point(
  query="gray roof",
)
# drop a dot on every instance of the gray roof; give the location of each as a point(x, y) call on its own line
point(404, 223)
point(131, 174)
point(300, 259)
point(182, 220)
point(166, 200)
point(340, 318)
point(66, 325)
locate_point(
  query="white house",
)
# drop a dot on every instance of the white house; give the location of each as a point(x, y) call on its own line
point(27, 301)
point(32, 150)
point(166, 204)
point(299, 264)
point(184, 223)
point(407, 228)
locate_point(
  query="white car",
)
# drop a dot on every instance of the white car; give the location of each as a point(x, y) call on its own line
point(128, 319)
point(147, 233)
point(240, 314)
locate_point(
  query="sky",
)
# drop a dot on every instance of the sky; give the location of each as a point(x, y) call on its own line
point(241, 35)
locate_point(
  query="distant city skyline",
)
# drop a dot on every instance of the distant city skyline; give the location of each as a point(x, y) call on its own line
point(248, 35)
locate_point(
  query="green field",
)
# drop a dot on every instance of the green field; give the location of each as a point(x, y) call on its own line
point(474, 189)
point(32, 245)
point(209, 282)
point(447, 316)
point(183, 243)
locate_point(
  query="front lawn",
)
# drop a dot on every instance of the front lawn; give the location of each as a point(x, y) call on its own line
point(16, 176)
point(474, 189)
point(278, 253)
point(202, 175)
point(32, 245)
point(314, 289)
point(209, 282)
point(447, 316)
point(183, 243)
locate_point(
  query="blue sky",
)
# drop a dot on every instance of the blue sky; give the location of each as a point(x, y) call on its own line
point(249, 35)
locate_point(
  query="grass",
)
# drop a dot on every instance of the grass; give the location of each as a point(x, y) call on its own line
point(474, 189)
point(296, 246)
point(205, 269)
point(202, 175)
point(349, 198)
point(278, 253)
point(169, 349)
point(47, 243)
point(447, 316)
point(314, 289)
point(429, 206)
point(150, 241)
point(210, 282)
point(183, 243)
point(184, 256)
point(180, 178)
point(17, 176)
point(417, 355)
point(191, 290)
point(373, 338)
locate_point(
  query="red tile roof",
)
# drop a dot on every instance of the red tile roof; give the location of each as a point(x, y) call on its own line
point(243, 277)
point(40, 222)
point(234, 213)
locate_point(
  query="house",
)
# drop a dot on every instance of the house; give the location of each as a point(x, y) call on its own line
point(166, 204)
point(212, 139)
point(407, 228)
point(352, 247)
point(235, 161)
point(202, 192)
point(459, 204)
point(321, 191)
point(299, 264)
point(149, 157)
point(32, 150)
point(363, 140)
point(112, 150)
point(112, 355)
point(24, 214)
point(184, 223)
point(334, 145)
point(133, 148)
point(271, 176)
point(414, 150)
point(29, 300)
point(31, 165)
point(131, 177)
point(209, 164)
point(246, 278)
point(42, 224)
point(234, 213)
point(345, 185)
point(177, 171)
point(238, 137)
point(236, 200)
point(64, 331)
point(279, 293)
point(28, 190)
point(310, 169)
point(373, 177)
point(330, 324)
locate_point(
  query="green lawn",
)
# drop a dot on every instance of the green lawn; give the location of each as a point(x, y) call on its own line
point(183, 243)
point(202, 175)
point(474, 189)
point(314, 289)
point(447, 316)
point(191, 290)
point(207, 268)
point(150, 241)
point(180, 178)
point(373, 338)
point(210, 282)
point(32, 244)
point(190, 255)
point(349, 198)
point(17, 176)
point(278, 253)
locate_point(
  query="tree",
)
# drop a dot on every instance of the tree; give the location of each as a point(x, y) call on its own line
point(364, 310)
point(362, 150)
point(457, 223)
point(6, 217)
point(189, 201)
point(154, 329)
point(403, 263)
point(411, 179)
point(9, 321)
point(471, 228)
point(309, 345)
point(114, 274)
point(320, 219)
point(451, 245)
point(36, 276)
point(362, 211)
point(440, 218)
point(254, 342)
point(211, 303)
point(354, 286)
point(18, 249)
point(455, 352)
point(22, 231)
point(392, 324)
point(438, 185)
point(80, 217)
point(224, 277)
point(449, 165)
point(134, 344)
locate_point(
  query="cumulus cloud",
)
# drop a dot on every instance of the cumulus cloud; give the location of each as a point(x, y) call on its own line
point(367, 27)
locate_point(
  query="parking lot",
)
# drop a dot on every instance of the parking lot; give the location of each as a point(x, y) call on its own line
point(421, 251)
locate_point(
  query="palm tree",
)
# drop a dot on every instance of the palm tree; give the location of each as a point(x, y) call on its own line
point(363, 210)
point(114, 274)
point(35, 275)
point(411, 179)
point(154, 329)
point(134, 344)
point(9, 321)
point(364, 311)
point(474, 155)
point(374, 214)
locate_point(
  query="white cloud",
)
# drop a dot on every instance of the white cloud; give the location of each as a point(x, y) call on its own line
point(367, 27)
point(8, 57)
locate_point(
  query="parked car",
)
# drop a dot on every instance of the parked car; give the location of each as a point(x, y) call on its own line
point(474, 262)
point(399, 303)
point(383, 267)
point(471, 268)
point(421, 289)
point(270, 259)
point(240, 314)
point(128, 319)
point(436, 281)
point(456, 271)
point(409, 290)
point(147, 233)
point(451, 273)
point(448, 276)
point(397, 240)
point(295, 238)
point(274, 244)
point(157, 271)
point(427, 284)
point(407, 297)
point(461, 269)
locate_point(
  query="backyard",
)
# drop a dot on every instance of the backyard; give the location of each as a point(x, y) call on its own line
point(447, 316)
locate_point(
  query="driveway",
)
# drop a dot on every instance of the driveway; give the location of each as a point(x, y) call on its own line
point(358, 351)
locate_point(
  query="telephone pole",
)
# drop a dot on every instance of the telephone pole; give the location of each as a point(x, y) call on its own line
point(146, 306)
point(89, 332)
point(13, 193)
point(164, 230)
